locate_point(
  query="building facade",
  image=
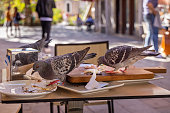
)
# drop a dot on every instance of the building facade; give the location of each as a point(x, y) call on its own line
point(70, 7)
point(119, 17)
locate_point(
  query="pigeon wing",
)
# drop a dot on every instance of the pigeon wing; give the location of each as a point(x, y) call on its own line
point(117, 55)
point(61, 64)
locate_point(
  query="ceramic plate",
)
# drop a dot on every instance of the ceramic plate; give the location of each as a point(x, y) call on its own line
point(82, 90)
point(141, 80)
point(15, 88)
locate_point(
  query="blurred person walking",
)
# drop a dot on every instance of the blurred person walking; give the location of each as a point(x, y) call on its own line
point(45, 13)
point(16, 19)
point(79, 22)
point(89, 22)
point(8, 21)
point(149, 13)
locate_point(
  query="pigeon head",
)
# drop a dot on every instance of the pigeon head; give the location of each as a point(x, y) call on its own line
point(101, 60)
point(39, 66)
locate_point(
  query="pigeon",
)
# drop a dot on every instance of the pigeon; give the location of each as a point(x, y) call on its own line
point(38, 44)
point(25, 58)
point(124, 56)
point(58, 66)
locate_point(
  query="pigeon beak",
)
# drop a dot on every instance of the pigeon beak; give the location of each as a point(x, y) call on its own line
point(33, 72)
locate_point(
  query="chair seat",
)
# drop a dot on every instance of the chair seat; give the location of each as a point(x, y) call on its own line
point(10, 108)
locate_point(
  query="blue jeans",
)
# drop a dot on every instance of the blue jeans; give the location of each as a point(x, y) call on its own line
point(152, 35)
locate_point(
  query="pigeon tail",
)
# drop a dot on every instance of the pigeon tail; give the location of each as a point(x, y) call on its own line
point(149, 53)
point(47, 42)
point(82, 53)
point(41, 43)
point(136, 51)
point(89, 56)
point(144, 48)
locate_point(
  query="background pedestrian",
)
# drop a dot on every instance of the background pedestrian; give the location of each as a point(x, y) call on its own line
point(45, 12)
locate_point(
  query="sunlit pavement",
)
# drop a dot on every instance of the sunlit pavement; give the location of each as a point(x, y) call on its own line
point(66, 34)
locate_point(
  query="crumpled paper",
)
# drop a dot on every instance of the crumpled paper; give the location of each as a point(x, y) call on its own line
point(34, 76)
point(92, 84)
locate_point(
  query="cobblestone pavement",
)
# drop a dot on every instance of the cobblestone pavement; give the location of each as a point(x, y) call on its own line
point(64, 34)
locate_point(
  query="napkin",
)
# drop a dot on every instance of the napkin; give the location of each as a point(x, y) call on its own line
point(92, 84)
point(34, 76)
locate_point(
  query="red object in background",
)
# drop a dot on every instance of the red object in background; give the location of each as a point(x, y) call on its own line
point(165, 44)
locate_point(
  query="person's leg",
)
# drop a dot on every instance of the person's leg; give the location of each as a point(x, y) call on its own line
point(15, 30)
point(7, 25)
point(11, 28)
point(48, 29)
point(43, 28)
point(154, 35)
point(155, 39)
point(19, 32)
point(148, 27)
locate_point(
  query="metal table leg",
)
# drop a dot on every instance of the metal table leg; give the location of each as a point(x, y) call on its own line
point(110, 104)
point(51, 107)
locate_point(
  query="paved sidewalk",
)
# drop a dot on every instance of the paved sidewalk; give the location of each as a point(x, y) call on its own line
point(65, 34)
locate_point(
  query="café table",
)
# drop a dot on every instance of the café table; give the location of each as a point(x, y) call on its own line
point(128, 91)
point(138, 90)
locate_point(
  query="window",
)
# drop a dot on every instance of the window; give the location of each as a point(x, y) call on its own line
point(68, 7)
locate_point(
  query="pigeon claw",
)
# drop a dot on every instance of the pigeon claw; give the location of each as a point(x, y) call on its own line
point(123, 71)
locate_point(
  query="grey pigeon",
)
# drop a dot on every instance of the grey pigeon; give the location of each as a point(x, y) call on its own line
point(25, 58)
point(59, 66)
point(38, 44)
point(123, 56)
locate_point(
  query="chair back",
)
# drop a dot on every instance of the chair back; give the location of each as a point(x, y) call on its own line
point(99, 48)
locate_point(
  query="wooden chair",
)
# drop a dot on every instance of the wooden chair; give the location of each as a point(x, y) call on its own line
point(95, 47)
point(10, 108)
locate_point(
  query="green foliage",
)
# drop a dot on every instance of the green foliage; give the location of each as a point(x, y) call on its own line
point(19, 4)
point(2, 21)
point(57, 17)
point(72, 20)
point(33, 5)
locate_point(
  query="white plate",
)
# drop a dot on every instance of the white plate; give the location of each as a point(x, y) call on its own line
point(14, 88)
point(141, 80)
point(82, 90)
point(113, 84)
